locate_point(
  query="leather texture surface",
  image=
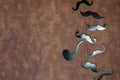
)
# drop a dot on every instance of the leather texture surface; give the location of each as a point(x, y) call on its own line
point(33, 34)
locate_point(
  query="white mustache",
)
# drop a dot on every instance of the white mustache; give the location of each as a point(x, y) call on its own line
point(88, 38)
point(96, 27)
point(85, 36)
point(97, 52)
point(89, 65)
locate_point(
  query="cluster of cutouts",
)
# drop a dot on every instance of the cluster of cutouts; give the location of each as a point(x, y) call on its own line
point(68, 55)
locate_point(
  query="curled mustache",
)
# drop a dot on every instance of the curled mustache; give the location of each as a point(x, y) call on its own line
point(82, 2)
point(96, 52)
point(89, 65)
point(104, 74)
point(70, 55)
point(93, 14)
point(96, 27)
point(85, 36)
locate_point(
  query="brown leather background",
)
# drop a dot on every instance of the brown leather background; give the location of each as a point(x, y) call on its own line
point(33, 34)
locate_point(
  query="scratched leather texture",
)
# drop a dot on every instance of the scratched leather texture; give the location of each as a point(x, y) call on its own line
point(33, 34)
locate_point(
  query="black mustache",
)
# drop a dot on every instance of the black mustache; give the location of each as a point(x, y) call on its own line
point(82, 2)
point(93, 14)
point(104, 74)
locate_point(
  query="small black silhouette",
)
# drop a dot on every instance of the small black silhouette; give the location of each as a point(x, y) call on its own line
point(82, 2)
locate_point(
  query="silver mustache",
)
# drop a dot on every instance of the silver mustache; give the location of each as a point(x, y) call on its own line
point(96, 52)
point(89, 65)
point(86, 37)
point(96, 27)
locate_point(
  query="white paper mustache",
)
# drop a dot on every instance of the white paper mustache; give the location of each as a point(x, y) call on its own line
point(89, 65)
point(96, 52)
point(96, 27)
point(86, 37)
